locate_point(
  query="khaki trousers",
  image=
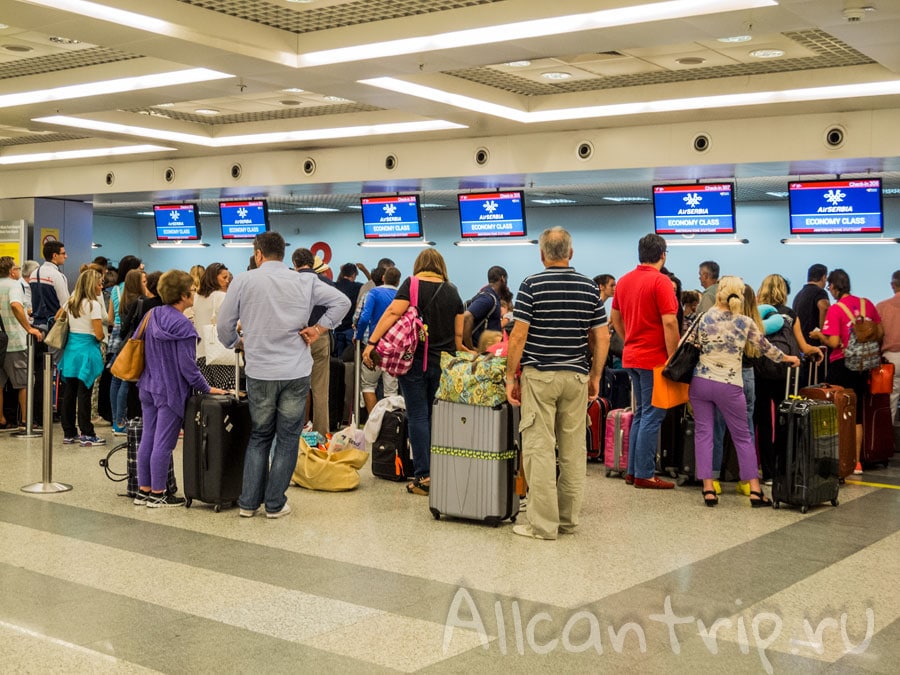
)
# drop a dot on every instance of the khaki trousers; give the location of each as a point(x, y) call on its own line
point(554, 410)
point(319, 381)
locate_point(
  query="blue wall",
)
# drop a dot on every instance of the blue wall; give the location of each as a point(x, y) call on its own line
point(605, 240)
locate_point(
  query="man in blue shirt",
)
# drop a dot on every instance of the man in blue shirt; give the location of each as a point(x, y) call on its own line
point(273, 304)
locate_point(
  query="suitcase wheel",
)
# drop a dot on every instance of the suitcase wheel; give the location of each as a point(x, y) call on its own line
point(187, 502)
point(513, 519)
point(804, 509)
point(609, 473)
point(835, 502)
point(436, 514)
point(217, 508)
point(776, 505)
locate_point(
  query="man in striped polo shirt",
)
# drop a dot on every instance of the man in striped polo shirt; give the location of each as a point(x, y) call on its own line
point(561, 339)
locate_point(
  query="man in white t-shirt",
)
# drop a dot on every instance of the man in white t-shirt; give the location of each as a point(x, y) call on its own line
point(15, 322)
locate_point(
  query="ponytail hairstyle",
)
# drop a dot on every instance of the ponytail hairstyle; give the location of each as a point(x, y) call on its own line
point(731, 293)
point(752, 310)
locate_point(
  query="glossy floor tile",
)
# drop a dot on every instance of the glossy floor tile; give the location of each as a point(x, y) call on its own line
point(368, 581)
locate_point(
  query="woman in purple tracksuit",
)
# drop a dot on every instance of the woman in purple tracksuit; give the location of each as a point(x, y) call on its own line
point(170, 376)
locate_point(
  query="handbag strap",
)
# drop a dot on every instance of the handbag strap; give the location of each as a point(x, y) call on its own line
point(140, 331)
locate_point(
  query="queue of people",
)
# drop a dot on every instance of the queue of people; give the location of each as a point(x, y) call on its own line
point(555, 334)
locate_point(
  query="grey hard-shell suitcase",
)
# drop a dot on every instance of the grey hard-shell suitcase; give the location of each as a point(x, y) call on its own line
point(473, 462)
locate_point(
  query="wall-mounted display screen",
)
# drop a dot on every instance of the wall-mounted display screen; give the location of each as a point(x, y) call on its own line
point(706, 208)
point(176, 222)
point(243, 219)
point(396, 217)
point(492, 214)
point(836, 206)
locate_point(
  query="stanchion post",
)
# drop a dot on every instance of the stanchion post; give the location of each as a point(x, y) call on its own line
point(47, 486)
point(29, 396)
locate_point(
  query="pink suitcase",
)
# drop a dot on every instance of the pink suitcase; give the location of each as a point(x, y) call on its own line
point(618, 428)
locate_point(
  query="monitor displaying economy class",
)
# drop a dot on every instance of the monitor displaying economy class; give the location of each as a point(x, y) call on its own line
point(491, 214)
point(176, 222)
point(243, 219)
point(395, 217)
point(705, 208)
point(836, 206)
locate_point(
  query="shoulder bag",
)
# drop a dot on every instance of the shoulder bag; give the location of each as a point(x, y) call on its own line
point(58, 335)
point(680, 366)
point(129, 364)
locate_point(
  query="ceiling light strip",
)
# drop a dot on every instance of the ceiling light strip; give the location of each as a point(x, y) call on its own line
point(81, 154)
point(882, 88)
point(840, 241)
point(117, 86)
point(522, 30)
point(250, 139)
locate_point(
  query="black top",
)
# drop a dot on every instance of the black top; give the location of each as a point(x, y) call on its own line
point(351, 290)
point(806, 306)
point(439, 304)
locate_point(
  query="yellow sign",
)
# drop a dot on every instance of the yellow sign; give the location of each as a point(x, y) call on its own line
point(12, 249)
point(49, 234)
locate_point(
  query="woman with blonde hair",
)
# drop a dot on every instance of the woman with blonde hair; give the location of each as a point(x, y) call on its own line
point(82, 360)
point(442, 310)
point(717, 384)
point(774, 291)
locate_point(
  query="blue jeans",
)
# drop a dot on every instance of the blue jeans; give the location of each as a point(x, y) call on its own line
point(719, 424)
point(118, 400)
point(277, 411)
point(418, 391)
point(645, 426)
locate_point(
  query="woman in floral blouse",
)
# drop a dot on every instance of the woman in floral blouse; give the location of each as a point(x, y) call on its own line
point(718, 385)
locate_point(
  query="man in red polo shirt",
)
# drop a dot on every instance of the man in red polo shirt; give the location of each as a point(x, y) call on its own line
point(645, 312)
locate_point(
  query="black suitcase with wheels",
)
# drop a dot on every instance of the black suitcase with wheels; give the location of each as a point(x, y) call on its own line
point(806, 451)
point(216, 433)
point(391, 454)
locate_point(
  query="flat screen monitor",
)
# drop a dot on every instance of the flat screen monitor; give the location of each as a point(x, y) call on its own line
point(243, 219)
point(396, 217)
point(176, 222)
point(705, 208)
point(491, 214)
point(836, 206)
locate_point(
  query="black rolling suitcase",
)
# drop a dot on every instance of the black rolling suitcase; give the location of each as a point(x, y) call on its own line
point(671, 442)
point(806, 451)
point(216, 432)
point(391, 453)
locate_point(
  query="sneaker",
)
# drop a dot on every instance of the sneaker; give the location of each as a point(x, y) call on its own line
point(140, 499)
point(523, 503)
point(34, 426)
point(155, 501)
point(858, 470)
point(71, 440)
point(526, 531)
point(286, 509)
point(119, 431)
point(89, 441)
point(249, 513)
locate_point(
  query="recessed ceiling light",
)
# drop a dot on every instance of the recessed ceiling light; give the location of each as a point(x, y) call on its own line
point(429, 206)
point(19, 49)
point(780, 195)
point(81, 154)
point(317, 209)
point(145, 213)
point(63, 40)
point(276, 210)
point(289, 101)
point(292, 90)
point(206, 111)
point(517, 64)
point(690, 60)
point(556, 75)
point(300, 2)
point(767, 53)
point(336, 99)
point(553, 201)
point(736, 38)
point(627, 199)
point(164, 105)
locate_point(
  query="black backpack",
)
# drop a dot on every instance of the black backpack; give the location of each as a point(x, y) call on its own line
point(481, 326)
point(784, 339)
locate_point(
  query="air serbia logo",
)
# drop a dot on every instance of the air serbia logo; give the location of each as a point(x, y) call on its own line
point(175, 216)
point(242, 212)
point(692, 200)
point(390, 209)
point(834, 197)
point(491, 206)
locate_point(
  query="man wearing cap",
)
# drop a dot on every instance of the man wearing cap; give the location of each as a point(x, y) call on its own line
point(320, 378)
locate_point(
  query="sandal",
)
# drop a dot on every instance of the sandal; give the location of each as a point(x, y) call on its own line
point(710, 502)
point(419, 486)
point(761, 500)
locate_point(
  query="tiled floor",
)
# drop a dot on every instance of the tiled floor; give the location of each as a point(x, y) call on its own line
point(367, 581)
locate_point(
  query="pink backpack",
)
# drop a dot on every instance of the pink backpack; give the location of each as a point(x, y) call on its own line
point(398, 346)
